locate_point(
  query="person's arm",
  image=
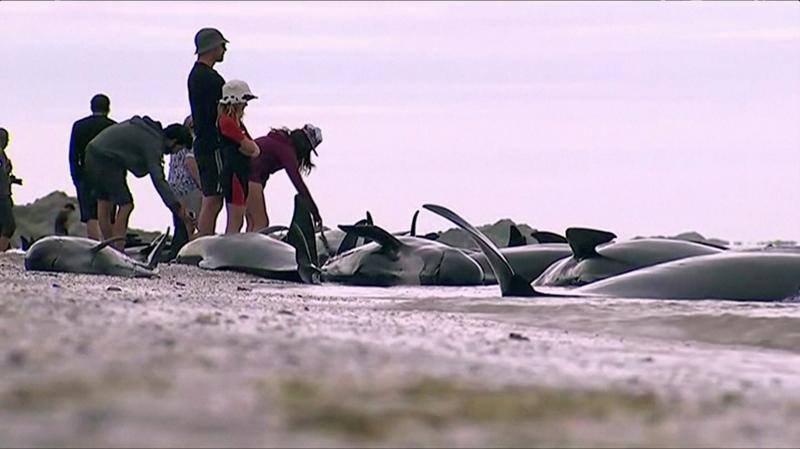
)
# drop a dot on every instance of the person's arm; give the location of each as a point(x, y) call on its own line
point(289, 162)
point(74, 167)
point(191, 166)
point(230, 129)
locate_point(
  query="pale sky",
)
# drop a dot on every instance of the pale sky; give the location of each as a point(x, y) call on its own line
point(640, 118)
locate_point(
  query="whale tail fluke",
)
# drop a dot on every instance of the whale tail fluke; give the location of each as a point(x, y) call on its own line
point(301, 232)
point(511, 284)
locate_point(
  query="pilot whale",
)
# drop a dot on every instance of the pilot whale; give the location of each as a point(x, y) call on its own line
point(258, 253)
point(400, 260)
point(82, 255)
point(738, 276)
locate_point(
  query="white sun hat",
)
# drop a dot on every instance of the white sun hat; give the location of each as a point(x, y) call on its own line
point(314, 135)
point(236, 92)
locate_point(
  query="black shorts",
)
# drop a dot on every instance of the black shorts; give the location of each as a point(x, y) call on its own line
point(235, 185)
point(209, 165)
point(87, 201)
point(108, 180)
point(7, 223)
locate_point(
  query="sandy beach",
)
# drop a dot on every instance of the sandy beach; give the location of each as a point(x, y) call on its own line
point(199, 358)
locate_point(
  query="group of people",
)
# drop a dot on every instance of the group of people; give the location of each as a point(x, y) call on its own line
point(213, 160)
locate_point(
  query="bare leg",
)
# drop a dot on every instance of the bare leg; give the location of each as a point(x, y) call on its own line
point(121, 224)
point(5, 243)
point(256, 209)
point(209, 211)
point(235, 218)
point(93, 230)
point(104, 211)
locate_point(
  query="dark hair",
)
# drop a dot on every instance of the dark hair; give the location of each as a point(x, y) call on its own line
point(100, 103)
point(302, 148)
point(180, 134)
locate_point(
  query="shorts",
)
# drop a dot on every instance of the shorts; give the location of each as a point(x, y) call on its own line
point(108, 180)
point(7, 223)
point(87, 201)
point(209, 165)
point(235, 186)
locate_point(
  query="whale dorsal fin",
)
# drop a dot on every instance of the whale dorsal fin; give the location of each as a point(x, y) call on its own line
point(515, 238)
point(376, 234)
point(511, 284)
point(350, 239)
point(584, 241)
point(548, 237)
point(95, 249)
point(158, 246)
point(269, 230)
point(413, 231)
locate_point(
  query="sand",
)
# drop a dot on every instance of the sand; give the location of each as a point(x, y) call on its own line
point(199, 358)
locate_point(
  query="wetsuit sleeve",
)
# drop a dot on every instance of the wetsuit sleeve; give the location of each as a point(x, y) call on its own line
point(230, 129)
point(74, 169)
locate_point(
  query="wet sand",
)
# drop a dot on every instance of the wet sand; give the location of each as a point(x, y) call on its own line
point(200, 358)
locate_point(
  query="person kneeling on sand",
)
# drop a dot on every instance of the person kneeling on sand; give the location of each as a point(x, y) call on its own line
point(282, 149)
point(7, 223)
point(137, 145)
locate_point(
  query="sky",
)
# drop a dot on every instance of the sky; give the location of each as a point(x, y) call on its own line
point(642, 118)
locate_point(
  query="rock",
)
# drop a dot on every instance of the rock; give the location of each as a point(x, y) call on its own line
point(56, 286)
point(113, 288)
point(285, 312)
point(518, 337)
point(242, 289)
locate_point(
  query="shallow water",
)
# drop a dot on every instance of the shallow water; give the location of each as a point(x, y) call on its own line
point(758, 324)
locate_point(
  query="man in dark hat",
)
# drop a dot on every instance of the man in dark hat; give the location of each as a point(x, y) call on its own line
point(205, 90)
point(83, 131)
point(137, 145)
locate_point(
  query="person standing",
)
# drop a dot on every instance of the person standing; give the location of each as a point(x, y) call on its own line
point(61, 225)
point(7, 223)
point(287, 150)
point(205, 91)
point(184, 180)
point(236, 147)
point(83, 131)
point(137, 145)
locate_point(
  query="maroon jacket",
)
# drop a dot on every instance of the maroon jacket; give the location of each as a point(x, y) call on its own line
point(277, 153)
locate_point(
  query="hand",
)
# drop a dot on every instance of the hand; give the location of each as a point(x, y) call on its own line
point(256, 152)
point(15, 180)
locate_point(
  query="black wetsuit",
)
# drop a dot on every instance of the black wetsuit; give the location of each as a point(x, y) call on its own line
point(205, 90)
point(7, 223)
point(83, 131)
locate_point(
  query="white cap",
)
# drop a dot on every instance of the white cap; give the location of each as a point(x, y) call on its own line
point(236, 92)
point(314, 135)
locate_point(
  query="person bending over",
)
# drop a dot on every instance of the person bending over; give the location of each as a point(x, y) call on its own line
point(137, 145)
point(287, 150)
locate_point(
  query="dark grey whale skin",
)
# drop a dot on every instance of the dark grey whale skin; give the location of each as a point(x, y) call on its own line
point(81, 255)
point(730, 275)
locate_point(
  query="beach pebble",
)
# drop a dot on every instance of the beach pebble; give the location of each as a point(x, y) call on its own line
point(113, 289)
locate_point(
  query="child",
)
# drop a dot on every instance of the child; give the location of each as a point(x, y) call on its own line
point(236, 148)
